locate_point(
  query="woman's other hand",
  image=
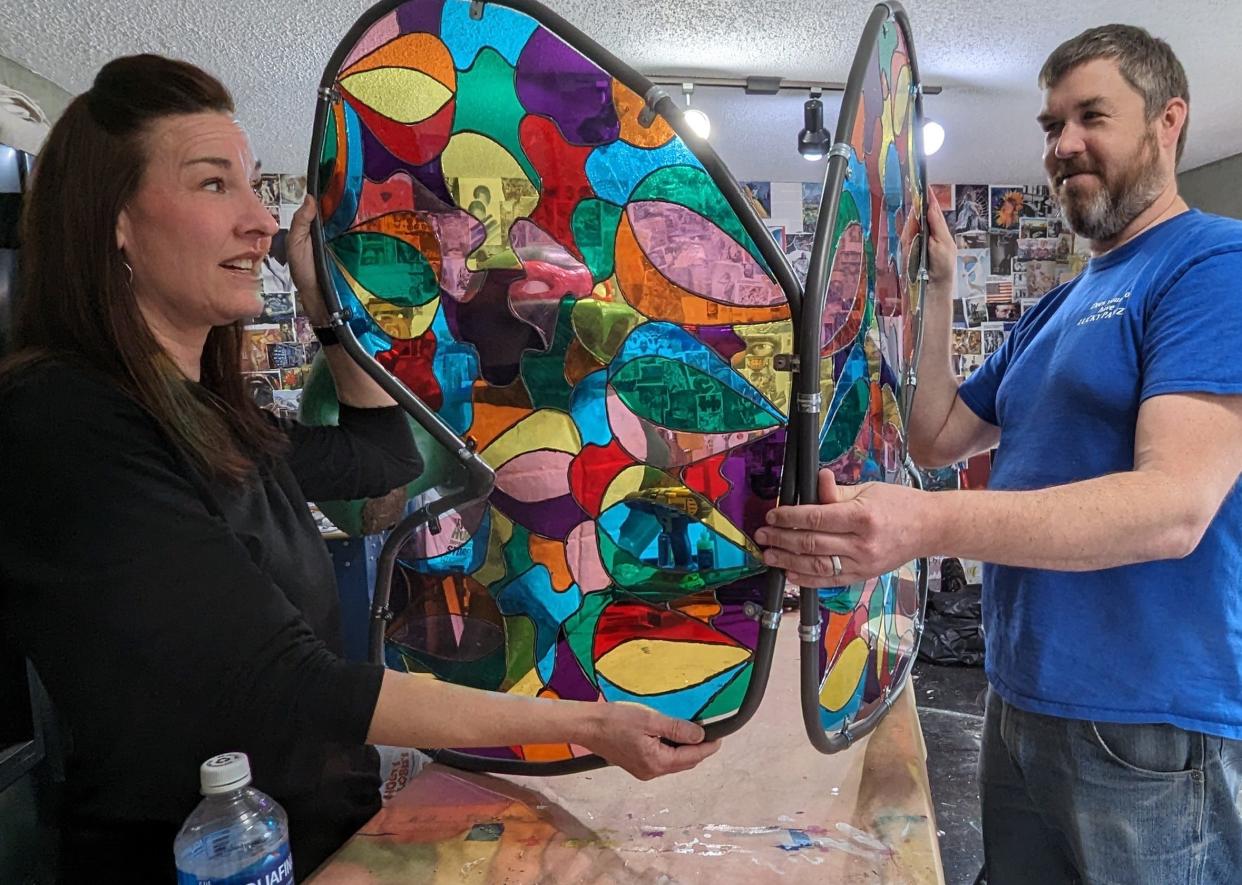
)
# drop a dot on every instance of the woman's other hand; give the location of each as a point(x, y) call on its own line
point(302, 264)
point(645, 743)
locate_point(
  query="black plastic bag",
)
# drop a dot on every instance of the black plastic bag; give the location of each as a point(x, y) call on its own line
point(953, 630)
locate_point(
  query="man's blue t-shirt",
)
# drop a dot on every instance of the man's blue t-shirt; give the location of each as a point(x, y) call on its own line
point(1158, 641)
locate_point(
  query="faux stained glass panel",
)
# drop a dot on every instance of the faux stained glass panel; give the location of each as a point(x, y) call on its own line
point(869, 343)
point(558, 276)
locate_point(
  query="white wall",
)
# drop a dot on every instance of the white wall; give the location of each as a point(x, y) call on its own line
point(1216, 187)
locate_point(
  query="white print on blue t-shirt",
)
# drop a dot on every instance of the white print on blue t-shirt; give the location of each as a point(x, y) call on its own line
point(1157, 641)
point(1106, 309)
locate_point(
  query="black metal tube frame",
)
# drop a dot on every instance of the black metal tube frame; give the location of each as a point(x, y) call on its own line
point(481, 477)
point(807, 381)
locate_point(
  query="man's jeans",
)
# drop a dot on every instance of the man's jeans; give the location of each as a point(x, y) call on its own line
point(1067, 800)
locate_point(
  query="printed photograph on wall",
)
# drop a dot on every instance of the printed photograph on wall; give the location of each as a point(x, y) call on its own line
point(993, 338)
point(976, 311)
point(972, 272)
point(759, 193)
point(1006, 203)
point(798, 249)
point(812, 194)
point(967, 341)
point(269, 189)
point(970, 208)
point(1003, 246)
point(292, 189)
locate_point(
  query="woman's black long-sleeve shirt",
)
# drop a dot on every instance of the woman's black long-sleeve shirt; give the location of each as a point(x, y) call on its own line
point(173, 617)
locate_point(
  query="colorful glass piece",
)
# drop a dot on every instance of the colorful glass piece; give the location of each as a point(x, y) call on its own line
point(566, 286)
point(870, 333)
point(507, 234)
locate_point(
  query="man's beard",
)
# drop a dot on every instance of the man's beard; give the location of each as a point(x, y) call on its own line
point(1104, 212)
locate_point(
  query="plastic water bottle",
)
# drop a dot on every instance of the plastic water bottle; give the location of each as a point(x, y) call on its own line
point(236, 835)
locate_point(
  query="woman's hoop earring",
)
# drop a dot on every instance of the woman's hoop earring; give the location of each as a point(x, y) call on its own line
point(129, 271)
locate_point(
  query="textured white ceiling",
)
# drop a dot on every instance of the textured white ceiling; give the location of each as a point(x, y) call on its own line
point(985, 55)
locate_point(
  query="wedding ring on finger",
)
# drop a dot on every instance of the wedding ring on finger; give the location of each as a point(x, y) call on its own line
point(836, 566)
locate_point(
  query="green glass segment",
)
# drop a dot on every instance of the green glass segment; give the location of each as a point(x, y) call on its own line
point(841, 601)
point(388, 268)
point(886, 45)
point(602, 326)
point(681, 397)
point(580, 630)
point(544, 373)
point(327, 157)
point(487, 103)
point(485, 672)
point(693, 188)
point(519, 649)
point(846, 422)
point(730, 697)
point(517, 553)
point(595, 224)
point(650, 580)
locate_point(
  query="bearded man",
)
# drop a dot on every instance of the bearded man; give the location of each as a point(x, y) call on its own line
point(1113, 523)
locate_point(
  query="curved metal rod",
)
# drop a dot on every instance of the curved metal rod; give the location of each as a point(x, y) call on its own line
point(822, 256)
point(911, 381)
point(481, 478)
point(854, 731)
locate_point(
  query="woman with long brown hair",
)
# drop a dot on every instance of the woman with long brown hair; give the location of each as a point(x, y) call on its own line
point(157, 561)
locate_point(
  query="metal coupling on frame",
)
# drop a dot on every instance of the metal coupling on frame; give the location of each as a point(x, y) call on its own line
point(840, 149)
point(811, 632)
point(770, 620)
point(810, 403)
point(647, 115)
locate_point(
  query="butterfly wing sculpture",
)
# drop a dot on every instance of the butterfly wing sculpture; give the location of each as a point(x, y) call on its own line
point(861, 323)
point(524, 243)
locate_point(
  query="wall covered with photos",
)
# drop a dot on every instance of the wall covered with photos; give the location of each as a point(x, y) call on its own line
point(279, 345)
point(1013, 247)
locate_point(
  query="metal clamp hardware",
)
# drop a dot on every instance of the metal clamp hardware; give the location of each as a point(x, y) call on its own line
point(812, 632)
point(339, 318)
point(466, 453)
point(912, 378)
point(328, 93)
point(810, 403)
point(924, 276)
point(786, 362)
point(476, 9)
point(647, 115)
point(840, 149)
point(770, 620)
point(381, 613)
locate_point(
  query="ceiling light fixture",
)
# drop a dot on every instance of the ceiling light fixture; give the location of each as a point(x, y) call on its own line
point(813, 140)
point(933, 137)
point(698, 121)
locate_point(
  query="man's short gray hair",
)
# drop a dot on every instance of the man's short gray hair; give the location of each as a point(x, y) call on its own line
point(1147, 63)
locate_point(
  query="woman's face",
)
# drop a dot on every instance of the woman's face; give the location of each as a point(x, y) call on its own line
point(195, 233)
